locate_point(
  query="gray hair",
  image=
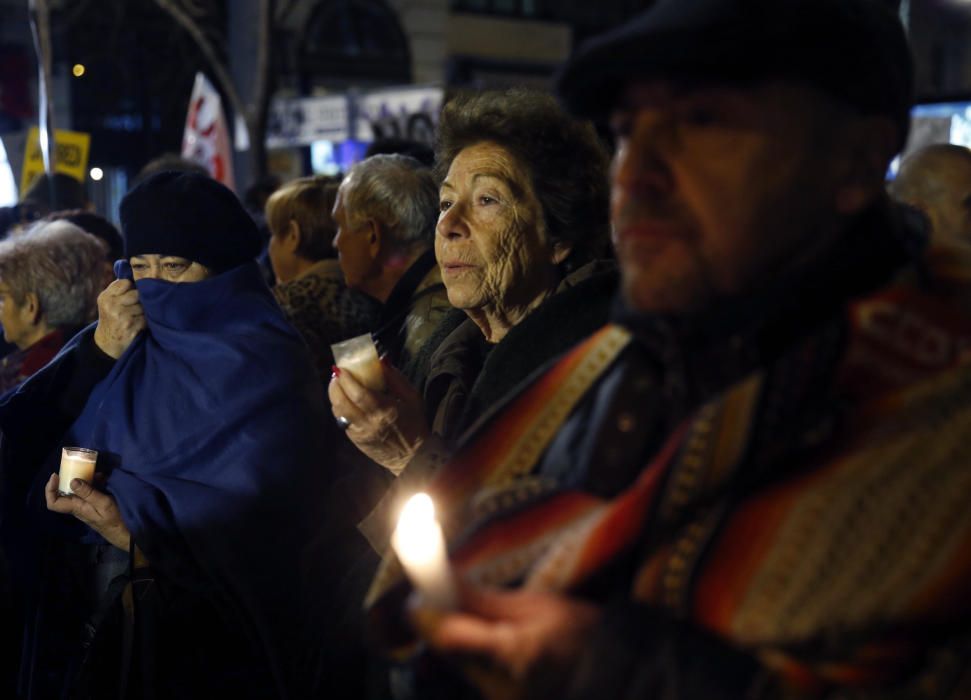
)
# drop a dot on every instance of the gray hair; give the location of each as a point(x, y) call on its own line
point(923, 175)
point(566, 162)
point(62, 265)
point(398, 192)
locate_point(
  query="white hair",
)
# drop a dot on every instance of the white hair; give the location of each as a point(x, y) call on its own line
point(398, 192)
point(62, 265)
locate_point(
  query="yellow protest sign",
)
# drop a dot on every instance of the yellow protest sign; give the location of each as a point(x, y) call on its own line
point(70, 155)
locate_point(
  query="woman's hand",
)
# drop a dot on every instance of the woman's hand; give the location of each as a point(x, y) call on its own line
point(120, 318)
point(511, 644)
point(388, 427)
point(95, 509)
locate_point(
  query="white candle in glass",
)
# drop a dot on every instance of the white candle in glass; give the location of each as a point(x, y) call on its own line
point(420, 545)
point(359, 356)
point(76, 463)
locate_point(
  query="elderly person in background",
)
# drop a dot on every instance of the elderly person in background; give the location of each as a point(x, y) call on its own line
point(50, 278)
point(522, 219)
point(310, 285)
point(208, 441)
point(937, 180)
point(385, 214)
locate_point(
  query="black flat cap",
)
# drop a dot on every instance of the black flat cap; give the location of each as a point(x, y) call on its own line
point(855, 50)
point(189, 215)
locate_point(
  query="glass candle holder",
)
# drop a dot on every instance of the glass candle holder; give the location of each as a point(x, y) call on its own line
point(76, 463)
point(359, 356)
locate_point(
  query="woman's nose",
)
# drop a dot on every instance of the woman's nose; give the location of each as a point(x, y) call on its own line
point(452, 224)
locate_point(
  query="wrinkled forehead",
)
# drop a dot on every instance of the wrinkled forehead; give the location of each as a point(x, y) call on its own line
point(488, 160)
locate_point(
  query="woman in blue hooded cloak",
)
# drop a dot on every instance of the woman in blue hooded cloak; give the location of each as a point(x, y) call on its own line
point(179, 575)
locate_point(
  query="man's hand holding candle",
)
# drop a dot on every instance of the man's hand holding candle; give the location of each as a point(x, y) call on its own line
point(388, 426)
point(510, 644)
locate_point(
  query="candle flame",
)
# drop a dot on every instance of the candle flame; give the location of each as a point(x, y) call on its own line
point(419, 508)
point(417, 533)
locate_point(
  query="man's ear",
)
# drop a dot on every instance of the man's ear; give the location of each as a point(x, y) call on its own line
point(869, 145)
point(561, 251)
point(31, 309)
point(375, 236)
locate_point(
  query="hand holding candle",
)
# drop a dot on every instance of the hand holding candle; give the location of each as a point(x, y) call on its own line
point(420, 546)
point(96, 509)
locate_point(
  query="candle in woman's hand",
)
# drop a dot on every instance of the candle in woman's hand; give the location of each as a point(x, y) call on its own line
point(420, 546)
point(359, 356)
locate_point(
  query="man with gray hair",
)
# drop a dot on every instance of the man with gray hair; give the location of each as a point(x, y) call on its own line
point(50, 278)
point(385, 212)
point(937, 180)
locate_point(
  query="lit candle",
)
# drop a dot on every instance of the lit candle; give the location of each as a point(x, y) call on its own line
point(76, 463)
point(420, 546)
point(359, 356)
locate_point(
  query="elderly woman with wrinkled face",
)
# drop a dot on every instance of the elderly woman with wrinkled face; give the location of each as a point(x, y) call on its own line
point(523, 218)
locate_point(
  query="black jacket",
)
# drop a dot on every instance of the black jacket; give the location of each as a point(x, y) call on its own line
point(465, 376)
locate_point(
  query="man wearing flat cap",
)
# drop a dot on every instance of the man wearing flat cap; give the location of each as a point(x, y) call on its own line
point(753, 483)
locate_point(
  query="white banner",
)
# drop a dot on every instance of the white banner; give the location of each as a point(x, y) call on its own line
point(299, 121)
point(206, 137)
